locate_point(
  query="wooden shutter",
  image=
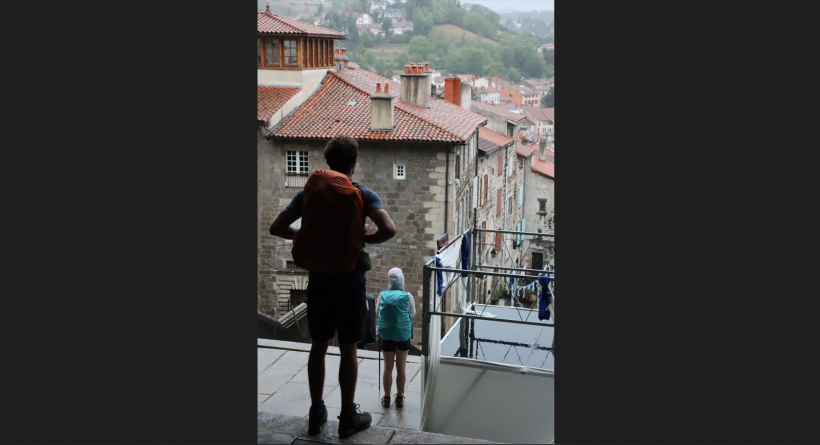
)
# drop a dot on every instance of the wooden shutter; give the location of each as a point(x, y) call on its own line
point(498, 204)
point(498, 242)
point(500, 165)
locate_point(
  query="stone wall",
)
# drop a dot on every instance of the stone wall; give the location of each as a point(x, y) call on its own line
point(538, 186)
point(416, 204)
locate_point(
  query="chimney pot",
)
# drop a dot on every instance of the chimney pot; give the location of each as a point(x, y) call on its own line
point(386, 88)
point(343, 52)
point(406, 69)
point(337, 50)
point(267, 7)
point(426, 67)
point(378, 87)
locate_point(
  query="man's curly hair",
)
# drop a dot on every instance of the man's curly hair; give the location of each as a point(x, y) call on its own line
point(341, 153)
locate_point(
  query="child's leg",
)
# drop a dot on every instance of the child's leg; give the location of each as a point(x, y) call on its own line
point(401, 376)
point(387, 376)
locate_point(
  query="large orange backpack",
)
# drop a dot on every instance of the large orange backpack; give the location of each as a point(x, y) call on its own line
point(331, 236)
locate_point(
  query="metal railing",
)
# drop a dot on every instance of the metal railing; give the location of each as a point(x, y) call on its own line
point(478, 253)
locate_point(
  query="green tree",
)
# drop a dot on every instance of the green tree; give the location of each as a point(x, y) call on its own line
point(368, 58)
point(549, 57)
point(535, 66)
point(337, 5)
point(353, 36)
point(387, 23)
point(399, 60)
point(367, 39)
point(548, 100)
point(422, 22)
point(513, 75)
point(334, 20)
point(309, 19)
point(495, 69)
point(365, 5)
point(421, 46)
point(319, 9)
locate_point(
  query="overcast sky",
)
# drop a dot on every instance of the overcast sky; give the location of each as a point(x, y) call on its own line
point(515, 5)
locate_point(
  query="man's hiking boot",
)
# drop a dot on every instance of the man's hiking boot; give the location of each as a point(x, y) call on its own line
point(352, 420)
point(399, 401)
point(316, 418)
point(386, 401)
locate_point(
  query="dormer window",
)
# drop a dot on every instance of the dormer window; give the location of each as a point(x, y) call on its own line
point(290, 53)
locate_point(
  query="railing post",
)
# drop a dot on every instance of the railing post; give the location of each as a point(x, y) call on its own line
point(425, 325)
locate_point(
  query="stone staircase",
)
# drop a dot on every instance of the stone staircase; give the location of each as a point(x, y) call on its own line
point(284, 429)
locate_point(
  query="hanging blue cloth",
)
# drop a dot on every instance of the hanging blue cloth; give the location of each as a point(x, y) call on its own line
point(465, 254)
point(545, 298)
point(439, 275)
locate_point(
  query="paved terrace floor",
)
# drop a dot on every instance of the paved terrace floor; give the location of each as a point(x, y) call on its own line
point(282, 384)
point(284, 399)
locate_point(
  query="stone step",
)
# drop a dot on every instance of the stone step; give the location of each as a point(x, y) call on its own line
point(284, 429)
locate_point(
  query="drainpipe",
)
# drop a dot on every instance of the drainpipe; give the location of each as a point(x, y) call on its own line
point(446, 186)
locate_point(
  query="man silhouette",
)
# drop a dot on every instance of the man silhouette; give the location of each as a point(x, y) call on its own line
point(336, 302)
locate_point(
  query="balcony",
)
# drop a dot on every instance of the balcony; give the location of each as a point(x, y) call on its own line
point(296, 180)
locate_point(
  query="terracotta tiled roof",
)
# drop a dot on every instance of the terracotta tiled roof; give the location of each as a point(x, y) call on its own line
point(470, 77)
point(489, 140)
point(512, 116)
point(550, 112)
point(353, 66)
point(545, 168)
point(525, 150)
point(341, 105)
point(270, 99)
point(541, 114)
point(270, 23)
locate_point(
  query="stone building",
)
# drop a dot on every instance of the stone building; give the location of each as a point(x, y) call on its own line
point(407, 143)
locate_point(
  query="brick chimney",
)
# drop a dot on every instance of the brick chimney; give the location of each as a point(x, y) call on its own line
point(340, 59)
point(452, 90)
point(415, 85)
point(381, 109)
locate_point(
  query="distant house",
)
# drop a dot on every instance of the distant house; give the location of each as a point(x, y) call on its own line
point(378, 5)
point(301, 16)
point(487, 95)
point(400, 27)
point(397, 15)
point(364, 19)
point(520, 95)
point(544, 120)
point(546, 47)
point(469, 78)
point(534, 83)
point(372, 28)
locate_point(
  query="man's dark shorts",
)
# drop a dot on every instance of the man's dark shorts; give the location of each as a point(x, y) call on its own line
point(336, 304)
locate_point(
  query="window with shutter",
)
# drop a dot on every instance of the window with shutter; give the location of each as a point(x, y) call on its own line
point(498, 242)
point(500, 165)
point(498, 204)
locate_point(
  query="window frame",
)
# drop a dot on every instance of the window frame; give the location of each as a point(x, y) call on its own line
point(542, 206)
point(403, 168)
point(299, 155)
point(309, 52)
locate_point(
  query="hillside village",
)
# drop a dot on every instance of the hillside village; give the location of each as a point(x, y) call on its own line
point(445, 151)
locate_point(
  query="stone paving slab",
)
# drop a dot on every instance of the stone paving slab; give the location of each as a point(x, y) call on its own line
point(265, 357)
point(331, 350)
point(271, 379)
point(407, 436)
point(291, 360)
point(331, 372)
point(271, 426)
point(274, 438)
point(369, 396)
point(261, 398)
point(298, 426)
point(291, 398)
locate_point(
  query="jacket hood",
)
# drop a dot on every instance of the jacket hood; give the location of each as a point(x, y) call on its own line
point(396, 279)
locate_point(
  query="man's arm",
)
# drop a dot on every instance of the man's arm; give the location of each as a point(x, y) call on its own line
point(281, 226)
point(387, 228)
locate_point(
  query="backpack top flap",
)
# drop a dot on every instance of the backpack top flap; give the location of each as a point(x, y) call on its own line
point(331, 236)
